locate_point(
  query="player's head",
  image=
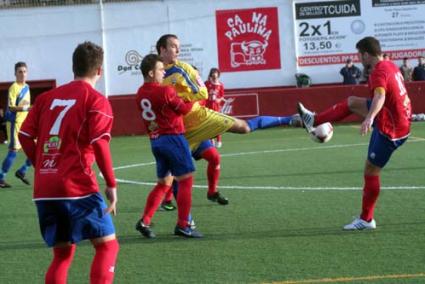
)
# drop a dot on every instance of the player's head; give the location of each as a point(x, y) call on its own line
point(152, 68)
point(369, 50)
point(87, 60)
point(21, 72)
point(405, 60)
point(214, 74)
point(421, 60)
point(168, 47)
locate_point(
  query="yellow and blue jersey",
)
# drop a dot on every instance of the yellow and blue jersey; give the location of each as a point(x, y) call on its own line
point(16, 99)
point(200, 123)
point(185, 79)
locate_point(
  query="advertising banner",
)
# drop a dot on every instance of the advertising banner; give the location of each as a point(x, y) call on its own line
point(248, 39)
point(326, 32)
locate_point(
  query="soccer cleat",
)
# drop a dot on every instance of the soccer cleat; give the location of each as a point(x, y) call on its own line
point(307, 117)
point(219, 144)
point(360, 224)
point(217, 197)
point(5, 142)
point(21, 176)
point(168, 206)
point(187, 232)
point(145, 230)
point(4, 184)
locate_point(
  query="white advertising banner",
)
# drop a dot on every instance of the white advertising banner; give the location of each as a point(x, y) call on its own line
point(326, 32)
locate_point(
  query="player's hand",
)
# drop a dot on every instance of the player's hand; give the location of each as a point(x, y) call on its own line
point(111, 195)
point(366, 126)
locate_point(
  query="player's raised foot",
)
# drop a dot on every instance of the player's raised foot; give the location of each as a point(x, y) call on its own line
point(21, 176)
point(219, 144)
point(4, 184)
point(360, 224)
point(168, 206)
point(145, 230)
point(217, 197)
point(187, 232)
point(307, 117)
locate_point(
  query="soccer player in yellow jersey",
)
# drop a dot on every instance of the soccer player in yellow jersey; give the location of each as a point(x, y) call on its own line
point(202, 123)
point(17, 110)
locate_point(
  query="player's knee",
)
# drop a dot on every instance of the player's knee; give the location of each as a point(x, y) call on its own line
point(240, 126)
point(212, 156)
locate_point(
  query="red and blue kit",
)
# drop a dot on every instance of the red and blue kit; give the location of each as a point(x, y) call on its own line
point(161, 109)
point(66, 122)
point(393, 120)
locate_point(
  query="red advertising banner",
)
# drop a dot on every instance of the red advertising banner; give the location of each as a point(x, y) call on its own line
point(241, 105)
point(248, 39)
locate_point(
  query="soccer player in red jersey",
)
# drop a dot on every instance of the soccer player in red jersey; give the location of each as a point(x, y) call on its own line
point(68, 129)
point(215, 95)
point(162, 113)
point(387, 112)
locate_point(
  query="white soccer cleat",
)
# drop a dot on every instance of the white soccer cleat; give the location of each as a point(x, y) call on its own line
point(219, 144)
point(360, 224)
point(307, 117)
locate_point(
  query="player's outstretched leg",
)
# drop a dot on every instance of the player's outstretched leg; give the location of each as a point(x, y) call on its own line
point(262, 122)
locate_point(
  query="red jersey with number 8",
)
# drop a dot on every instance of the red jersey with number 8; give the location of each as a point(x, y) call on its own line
point(394, 118)
point(65, 122)
point(161, 109)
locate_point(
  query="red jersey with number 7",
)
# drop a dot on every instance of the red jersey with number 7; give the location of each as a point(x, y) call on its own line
point(161, 109)
point(65, 122)
point(394, 118)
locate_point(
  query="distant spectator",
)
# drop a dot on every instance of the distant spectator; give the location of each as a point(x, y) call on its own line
point(419, 71)
point(406, 70)
point(386, 57)
point(350, 73)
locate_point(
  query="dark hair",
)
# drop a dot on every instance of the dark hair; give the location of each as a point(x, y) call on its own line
point(149, 63)
point(405, 58)
point(370, 45)
point(214, 70)
point(20, 64)
point(86, 59)
point(162, 42)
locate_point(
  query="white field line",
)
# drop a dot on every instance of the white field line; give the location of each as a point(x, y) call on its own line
point(415, 139)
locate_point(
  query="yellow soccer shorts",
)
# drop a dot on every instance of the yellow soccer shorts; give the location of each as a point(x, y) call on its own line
point(13, 131)
point(202, 123)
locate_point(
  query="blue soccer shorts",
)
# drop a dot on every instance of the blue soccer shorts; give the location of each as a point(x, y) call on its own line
point(74, 220)
point(206, 144)
point(172, 155)
point(380, 146)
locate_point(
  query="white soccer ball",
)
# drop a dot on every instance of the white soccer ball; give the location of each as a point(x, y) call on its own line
point(322, 133)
